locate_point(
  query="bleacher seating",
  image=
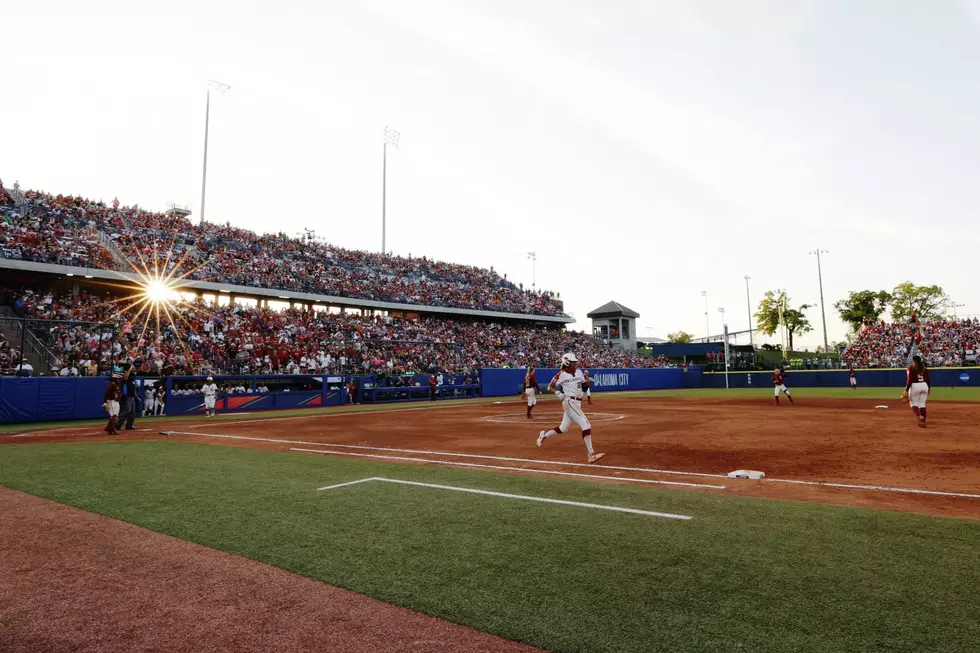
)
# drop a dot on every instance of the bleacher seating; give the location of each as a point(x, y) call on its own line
point(66, 230)
point(241, 339)
point(940, 343)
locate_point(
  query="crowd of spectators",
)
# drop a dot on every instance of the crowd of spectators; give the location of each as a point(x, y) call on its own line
point(237, 339)
point(64, 229)
point(941, 343)
point(9, 357)
point(60, 234)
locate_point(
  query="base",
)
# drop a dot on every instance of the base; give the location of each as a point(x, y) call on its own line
point(747, 473)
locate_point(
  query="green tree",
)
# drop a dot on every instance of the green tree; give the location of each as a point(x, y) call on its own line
point(795, 320)
point(925, 302)
point(680, 337)
point(863, 306)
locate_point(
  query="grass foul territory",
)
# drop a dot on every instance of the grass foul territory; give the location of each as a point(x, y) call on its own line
point(742, 575)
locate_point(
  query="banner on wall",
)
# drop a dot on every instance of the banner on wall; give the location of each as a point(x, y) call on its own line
point(507, 382)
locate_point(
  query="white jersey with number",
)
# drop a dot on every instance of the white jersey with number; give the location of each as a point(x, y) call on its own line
point(569, 385)
point(210, 391)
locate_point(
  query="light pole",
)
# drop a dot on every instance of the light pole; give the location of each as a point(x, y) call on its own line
point(221, 88)
point(391, 138)
point(954, 307)
point(748, 302)
point(707, 323)
point(823, 311)
point(533, 257)
point(725, 330)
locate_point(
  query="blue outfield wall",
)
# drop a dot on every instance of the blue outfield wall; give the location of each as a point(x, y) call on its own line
point(508, 382)
point(51, 399)
point(947, 377)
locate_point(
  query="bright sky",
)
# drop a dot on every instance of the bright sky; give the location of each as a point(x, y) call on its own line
point(646, 150)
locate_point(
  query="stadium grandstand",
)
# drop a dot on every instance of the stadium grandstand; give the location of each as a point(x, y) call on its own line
point(258, 304)
point(76, 232)
point(941, 343)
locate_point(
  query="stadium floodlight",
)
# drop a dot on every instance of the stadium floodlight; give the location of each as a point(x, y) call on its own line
point(221, 88)
point(391, 138)
point(823, 311)
point(533, 257)
point(955, 306)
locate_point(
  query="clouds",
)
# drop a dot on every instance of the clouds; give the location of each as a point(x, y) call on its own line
point(668, 147)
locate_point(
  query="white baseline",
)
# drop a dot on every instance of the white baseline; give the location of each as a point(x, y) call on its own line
point(505, 495)
point(524, 470)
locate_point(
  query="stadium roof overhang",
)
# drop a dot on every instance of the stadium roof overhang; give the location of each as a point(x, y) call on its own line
point(276, 294)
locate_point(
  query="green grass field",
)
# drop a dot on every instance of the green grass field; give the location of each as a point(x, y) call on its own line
point(744, 574)
point(938, 394)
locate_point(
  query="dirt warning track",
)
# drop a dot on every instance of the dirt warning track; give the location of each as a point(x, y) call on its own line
point(75, 581)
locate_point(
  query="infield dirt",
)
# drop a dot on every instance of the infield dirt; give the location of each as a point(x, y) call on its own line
point(847, 441)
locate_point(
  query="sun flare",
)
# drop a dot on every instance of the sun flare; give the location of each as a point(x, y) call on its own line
point(159, 291)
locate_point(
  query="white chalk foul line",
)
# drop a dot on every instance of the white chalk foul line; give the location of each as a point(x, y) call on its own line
point(346, 413)
point(645, 470)
point(876, 488)
point(334, 487)
point(453, 454)
point(504, 468)
point(506, 495)
point(521, 418)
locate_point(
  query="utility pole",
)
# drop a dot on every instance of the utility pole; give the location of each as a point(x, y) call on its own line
point(823, 310)
point(707, 323)
point(748, 302)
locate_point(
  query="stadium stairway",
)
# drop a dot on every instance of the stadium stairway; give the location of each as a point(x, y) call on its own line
point(10, 328)
point(122, 263)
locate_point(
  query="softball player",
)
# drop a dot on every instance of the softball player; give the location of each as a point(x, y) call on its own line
point(149, 401)
point(917, 388)
point(779, 381)
point(567, 386)
point(531, 390)
point(111, 405)
point(210, 391)
point(588, 385)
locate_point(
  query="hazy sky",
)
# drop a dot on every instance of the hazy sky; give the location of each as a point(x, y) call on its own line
point(645, 150)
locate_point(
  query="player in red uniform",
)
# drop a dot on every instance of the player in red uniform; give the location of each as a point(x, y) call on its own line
point(531, 390)
point(110, 404)
point(779, 381)
point(854, 379)
point(587, 384)
point(918, 385)
point(433, 387)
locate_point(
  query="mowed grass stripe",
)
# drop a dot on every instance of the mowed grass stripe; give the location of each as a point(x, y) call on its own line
point(746, 574)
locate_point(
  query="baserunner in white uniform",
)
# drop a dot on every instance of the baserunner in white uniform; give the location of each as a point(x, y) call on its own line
point(567, 386)
point(210, 391)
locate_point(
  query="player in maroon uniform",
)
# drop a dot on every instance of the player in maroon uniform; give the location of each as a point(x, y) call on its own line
point(531, 390)
point(918, 385)
point(854, 379)
point(433, 387)
point(110, 404)
point(779, 381)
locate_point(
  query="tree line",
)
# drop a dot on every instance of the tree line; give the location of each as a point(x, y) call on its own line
point(859, 307)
